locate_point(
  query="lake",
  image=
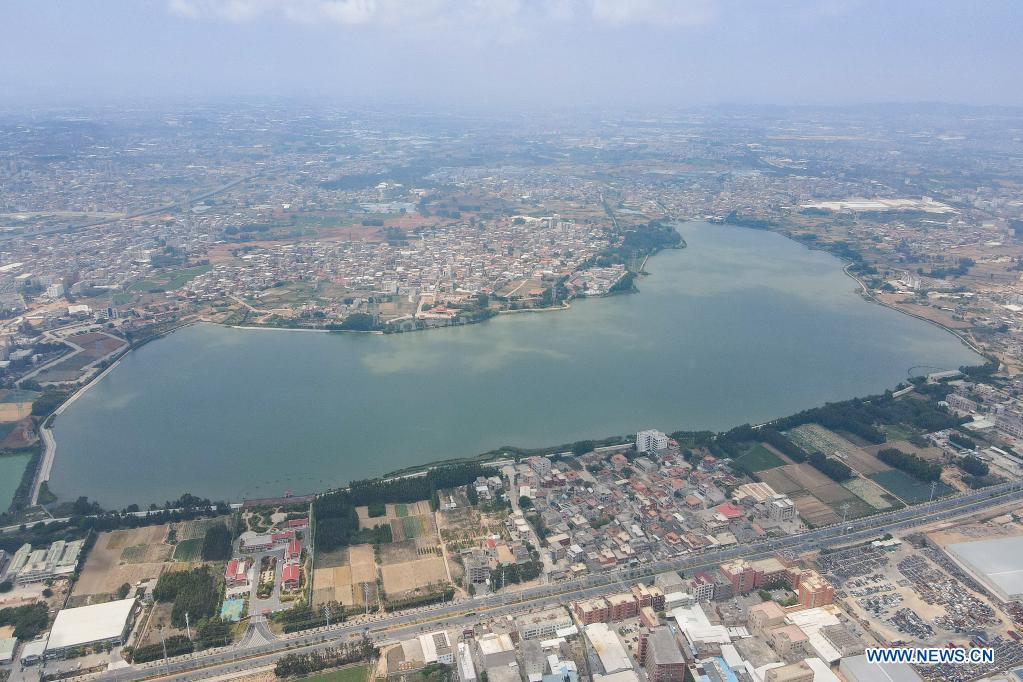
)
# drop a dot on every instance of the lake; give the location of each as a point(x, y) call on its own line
point(12, 467)
point(741, 326)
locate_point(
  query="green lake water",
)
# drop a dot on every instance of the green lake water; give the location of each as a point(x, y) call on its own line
point(741, 326)
point(12, 468)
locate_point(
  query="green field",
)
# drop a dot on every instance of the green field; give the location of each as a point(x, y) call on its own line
point(17, 395)
point(412, 527)
point(759, 458)
point(908, 488)
point(896, 431)
point(188, 550)
point(136, 554)
point(401, 510)
point(171, 280)
point(356, 673)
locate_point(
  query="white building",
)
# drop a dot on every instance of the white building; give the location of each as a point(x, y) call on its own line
point(466, 668)
point(541, 465)
point(543, 624)
point(608, 647)
point(437, 648)
point(85, 626)
point(650, 440)
point(781, 508)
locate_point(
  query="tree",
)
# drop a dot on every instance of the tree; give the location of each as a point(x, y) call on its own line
point(525, 502)
point(363, 322)
point(581, 447)
point(914, 466)
point(123, 590)
point(216, 545)
point(973, 465)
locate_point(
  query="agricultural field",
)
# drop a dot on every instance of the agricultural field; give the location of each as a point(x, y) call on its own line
point(16, 428)
point(94, 345)
point(355, 673)
point(907, 488)
point(123, 556)
point(188, 550)
point(872, 494)
point(393, 513)
point(131, 555)
point(408, 576)
point(814, 437)
point(759, 458)
point(818, 499)
point(411, 563)
point(339, 576)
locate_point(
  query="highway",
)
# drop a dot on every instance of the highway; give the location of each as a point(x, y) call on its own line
point(385, 627)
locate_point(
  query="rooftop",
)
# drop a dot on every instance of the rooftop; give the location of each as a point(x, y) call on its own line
point(87, 624)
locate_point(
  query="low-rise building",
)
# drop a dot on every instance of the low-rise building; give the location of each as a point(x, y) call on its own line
point(542, 624)
point(437, 648)
point(85, 626)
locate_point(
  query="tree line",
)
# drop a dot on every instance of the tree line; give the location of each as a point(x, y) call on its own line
point(337, 523)
point(917, 467)
point(300, 665)
point(832, 468)
point(193, 592)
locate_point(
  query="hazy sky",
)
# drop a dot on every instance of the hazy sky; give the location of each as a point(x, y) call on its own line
point(496, 52)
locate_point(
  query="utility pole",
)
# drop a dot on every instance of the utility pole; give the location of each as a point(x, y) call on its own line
point(164, 643)
point(326, 612)
point(365, 596)
point(934, 485)
point(188, 627)
point(845, 512)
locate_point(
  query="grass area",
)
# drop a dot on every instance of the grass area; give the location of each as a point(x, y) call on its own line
point(121, 299)
point(896, 431)
point(759, 458)
point(136, 554)
point(188, 550)
point(17, 395)
point(412, 527)
point(401, 510)
point(356, 673)
point(907, 487)
point(174, 279)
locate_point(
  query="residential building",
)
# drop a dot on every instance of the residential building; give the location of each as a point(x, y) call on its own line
point(814, 590)
point(795, 672)
point(649, 440)
point(664, 661)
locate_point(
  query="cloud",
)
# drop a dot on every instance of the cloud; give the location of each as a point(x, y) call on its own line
point(492, 14)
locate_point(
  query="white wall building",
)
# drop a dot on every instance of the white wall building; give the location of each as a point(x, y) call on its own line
point(650, 440)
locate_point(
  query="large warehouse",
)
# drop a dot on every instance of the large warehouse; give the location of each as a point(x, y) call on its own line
point(91, 625)
point(997, 563)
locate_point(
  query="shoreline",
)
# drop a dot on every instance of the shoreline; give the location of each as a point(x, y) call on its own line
point(46, 461)
point(866, 293)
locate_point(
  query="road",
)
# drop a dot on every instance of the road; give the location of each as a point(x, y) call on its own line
point(382, 627)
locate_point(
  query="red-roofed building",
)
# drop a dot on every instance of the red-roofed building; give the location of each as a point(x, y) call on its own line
point(729, 511)
point(290, 577)
point(294, 550)
point(298, 523)
point(237, 572)
point(283, 537)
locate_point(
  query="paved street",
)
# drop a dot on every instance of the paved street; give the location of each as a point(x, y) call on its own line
point(394, 626)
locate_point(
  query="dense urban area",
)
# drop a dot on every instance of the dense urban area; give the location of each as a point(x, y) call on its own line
point(777, 552)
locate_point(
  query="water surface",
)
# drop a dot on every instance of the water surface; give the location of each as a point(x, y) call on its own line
point(741, 326)
point(12, 467)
